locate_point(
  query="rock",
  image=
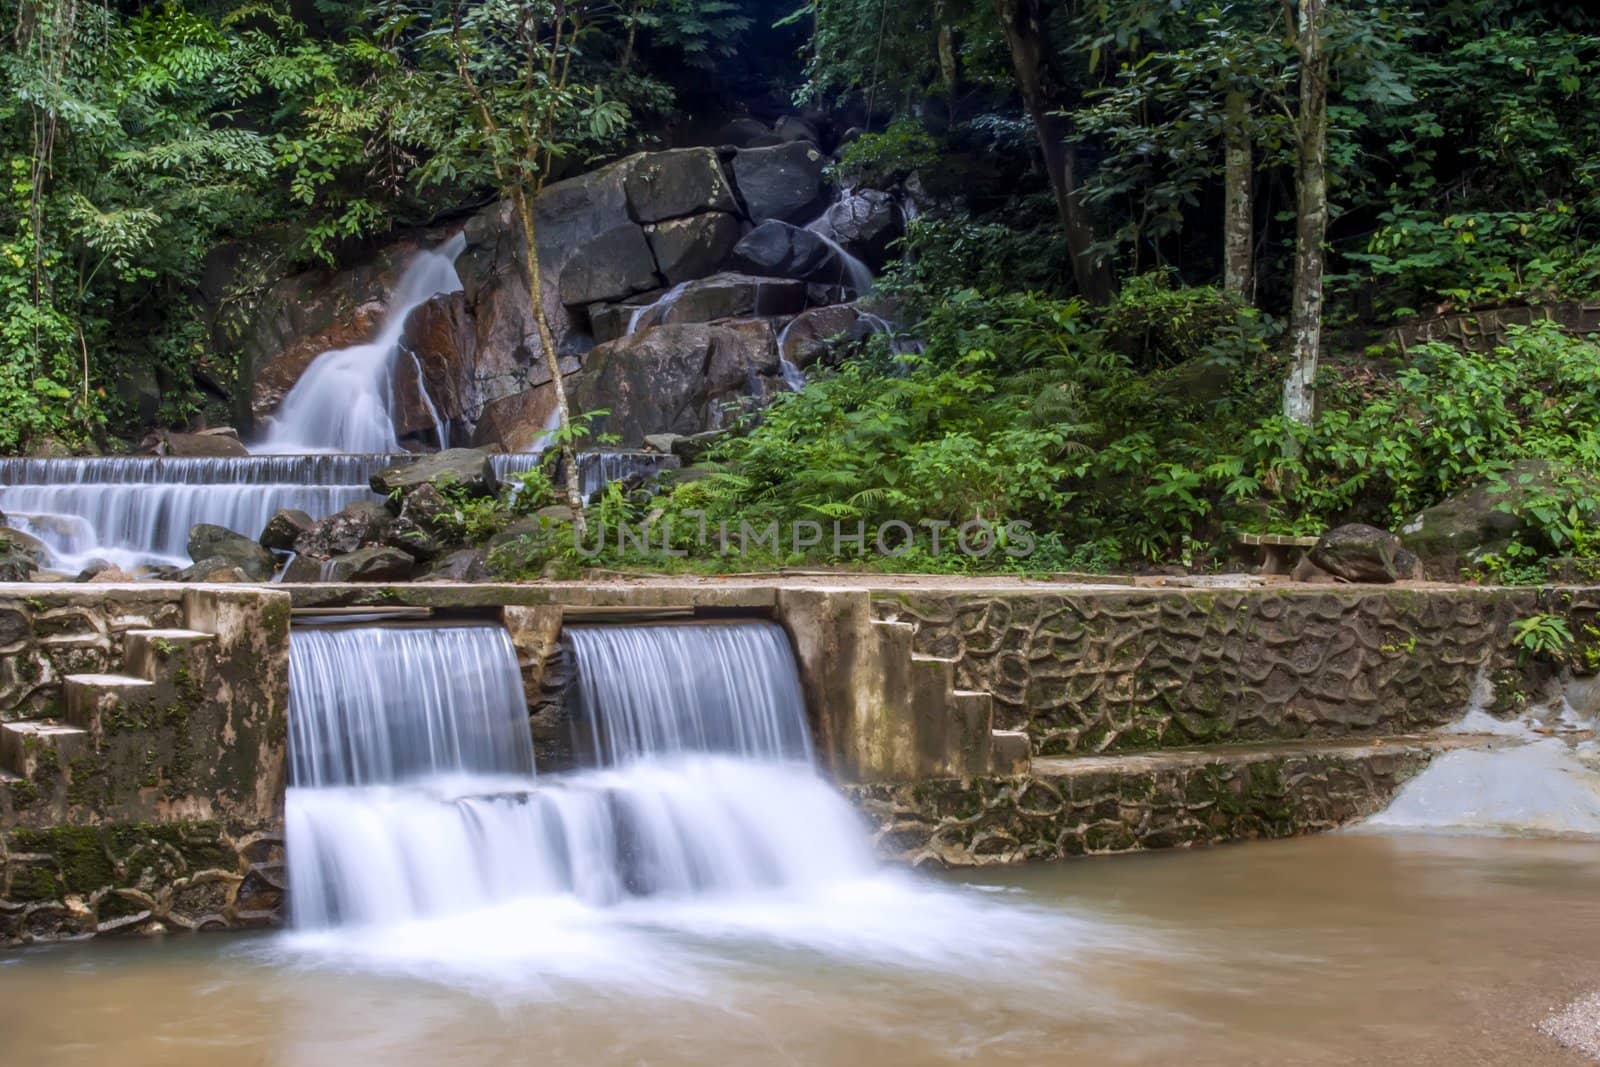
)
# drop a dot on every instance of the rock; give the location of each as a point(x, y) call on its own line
point(794, 128)
point(1358, 553)
point(693, 247)
point(416, 541)
point(692, 448)
point(614, 265)
point(728, 296)
point(214, 570)
point(377, 564)
point(778, 250)
point(93, 567)
point(26, 545)
point(662, 442)
point(427, 507)
point(683, 181)
point(520, 422)
point(286, 526)
point(783, 182)
point(462, 565)
point(812, 334)
point(210, 543)
point(1481, 519)
point(109, 575)
point(201, 445)
point(303, 570)
point(365, 522)
point(677, 379)
point(747, 133)
point(15, 564)
point(866, 223)
point(466, 468)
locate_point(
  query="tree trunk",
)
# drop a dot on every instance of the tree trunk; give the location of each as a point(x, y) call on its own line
point(945, 43)
point(1023, 22)
point(1238, 226)
point(1305, 316)
point(524, 208)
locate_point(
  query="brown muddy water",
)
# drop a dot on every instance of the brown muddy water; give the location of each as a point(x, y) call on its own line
point(1341, 949)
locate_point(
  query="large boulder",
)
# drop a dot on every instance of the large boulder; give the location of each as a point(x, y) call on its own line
point(215, 570)
point(286, 526)
point(693, 247)
point(465, 468)
point(616, 264)
point(782, 182)
point(778, 250)
point(462, 565)
point(866, 223)
point(727, 296)
point(746, 132)
point(812, 334)
point(520, 422)
point(1484, 518)
point(794, 128)
point(679, 379)
point(211, 542)
point(365, 522)
point(1359, 553)
point(18, 559)
point(210, 445)
point(684, 181)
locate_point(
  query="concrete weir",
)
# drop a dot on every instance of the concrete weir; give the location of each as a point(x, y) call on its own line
point(143, 728)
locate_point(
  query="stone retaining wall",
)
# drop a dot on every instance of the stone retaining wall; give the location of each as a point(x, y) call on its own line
point(1109, 671)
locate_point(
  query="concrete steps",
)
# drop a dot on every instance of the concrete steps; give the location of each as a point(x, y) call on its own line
point(161, 666)
point(929, 727)
point(40, 746)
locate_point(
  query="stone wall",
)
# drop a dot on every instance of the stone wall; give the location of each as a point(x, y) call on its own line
point(1079, 807)
point(1111, 670)
point(44, 637)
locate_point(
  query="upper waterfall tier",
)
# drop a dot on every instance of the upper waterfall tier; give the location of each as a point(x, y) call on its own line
point(344, 401)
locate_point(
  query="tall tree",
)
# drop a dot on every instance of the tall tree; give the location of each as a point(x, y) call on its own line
point(1023, 22)
point(1311, 211)
point(515, 58)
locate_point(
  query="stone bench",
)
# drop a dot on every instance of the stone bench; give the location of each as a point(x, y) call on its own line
point(1276, 553)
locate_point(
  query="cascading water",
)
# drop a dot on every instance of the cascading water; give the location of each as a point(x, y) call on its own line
point(414, 847)
point(344, 400)
point(138, 510)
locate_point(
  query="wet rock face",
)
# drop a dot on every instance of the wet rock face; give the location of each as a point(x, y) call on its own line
point(778, 250)
point(728, 296)
point(813, 333)
point(677, 379)
point(463, 468)
point(365, 522)
point(783, 182)
point(669, 185)
point(866, 223)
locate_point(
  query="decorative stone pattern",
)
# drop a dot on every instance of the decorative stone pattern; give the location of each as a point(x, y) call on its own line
point(1101, 671)
point(75, 881)
point(44, 638)
point(1057, 812)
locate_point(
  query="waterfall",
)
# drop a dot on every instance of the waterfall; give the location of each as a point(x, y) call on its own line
point(380, 705)
point(139, 510)
point(665, 690)
point(344, 400)
point(596, 470)
point(412, 799)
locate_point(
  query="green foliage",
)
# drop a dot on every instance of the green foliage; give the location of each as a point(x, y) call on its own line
point(1386, 447)
point(881, 159)
point(1544, 635)
point(1156, 323)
